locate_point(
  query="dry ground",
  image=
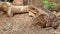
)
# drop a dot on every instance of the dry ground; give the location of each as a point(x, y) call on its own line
point(22, 24)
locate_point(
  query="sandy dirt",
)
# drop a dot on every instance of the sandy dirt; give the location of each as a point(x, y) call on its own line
point(22, 24)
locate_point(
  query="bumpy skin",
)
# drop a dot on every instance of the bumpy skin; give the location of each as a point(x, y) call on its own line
point(11, 9)
point(45, 21)
point(55, 23)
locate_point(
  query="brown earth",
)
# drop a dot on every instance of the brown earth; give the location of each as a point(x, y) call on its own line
point(22, 24)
